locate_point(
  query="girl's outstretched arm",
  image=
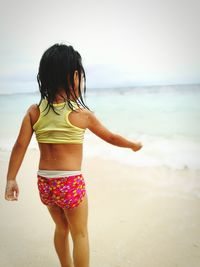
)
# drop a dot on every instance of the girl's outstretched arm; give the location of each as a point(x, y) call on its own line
point(101, 131)
point(17, 155)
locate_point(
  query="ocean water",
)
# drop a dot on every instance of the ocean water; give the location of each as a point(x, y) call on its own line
point(166, 119)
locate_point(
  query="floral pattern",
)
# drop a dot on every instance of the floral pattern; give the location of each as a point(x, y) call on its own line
point(66, 192)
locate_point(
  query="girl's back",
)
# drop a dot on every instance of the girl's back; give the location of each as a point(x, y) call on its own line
point(62, 156)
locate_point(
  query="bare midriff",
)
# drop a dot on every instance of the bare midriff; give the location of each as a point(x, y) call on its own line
point(61, 157)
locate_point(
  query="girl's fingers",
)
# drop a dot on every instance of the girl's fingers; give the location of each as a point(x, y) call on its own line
point(9, 197)
point(8, 194)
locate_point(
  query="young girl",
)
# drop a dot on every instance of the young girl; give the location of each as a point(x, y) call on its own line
point(59, 122)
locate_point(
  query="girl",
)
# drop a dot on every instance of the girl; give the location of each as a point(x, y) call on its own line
point(59, 122)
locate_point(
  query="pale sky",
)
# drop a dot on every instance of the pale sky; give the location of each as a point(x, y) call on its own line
point(122, 43)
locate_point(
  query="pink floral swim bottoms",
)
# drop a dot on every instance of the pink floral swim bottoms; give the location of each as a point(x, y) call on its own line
point(66, 192)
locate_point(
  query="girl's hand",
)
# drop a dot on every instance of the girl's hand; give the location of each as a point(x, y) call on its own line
point(12, 190)
point(137, 146)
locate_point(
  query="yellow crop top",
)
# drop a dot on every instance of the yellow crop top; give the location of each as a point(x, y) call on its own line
point(53, 128)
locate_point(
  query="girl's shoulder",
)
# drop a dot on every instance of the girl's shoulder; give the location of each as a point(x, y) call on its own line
point(34, 113)
point(79, 117)
point(34, 109)
point(84, 112)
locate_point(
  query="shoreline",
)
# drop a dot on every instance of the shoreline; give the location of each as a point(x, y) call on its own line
point(5, 154)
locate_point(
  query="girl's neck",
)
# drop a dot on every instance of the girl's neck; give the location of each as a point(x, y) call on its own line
point(61, 97)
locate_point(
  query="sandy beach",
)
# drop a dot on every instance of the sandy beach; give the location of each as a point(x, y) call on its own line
point(138, 217)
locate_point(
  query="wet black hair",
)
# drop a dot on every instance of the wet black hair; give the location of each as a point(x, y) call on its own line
point(56, 71)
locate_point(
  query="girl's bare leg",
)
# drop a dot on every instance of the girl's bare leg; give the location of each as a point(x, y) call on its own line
point(77, 219)
point(61, 241)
